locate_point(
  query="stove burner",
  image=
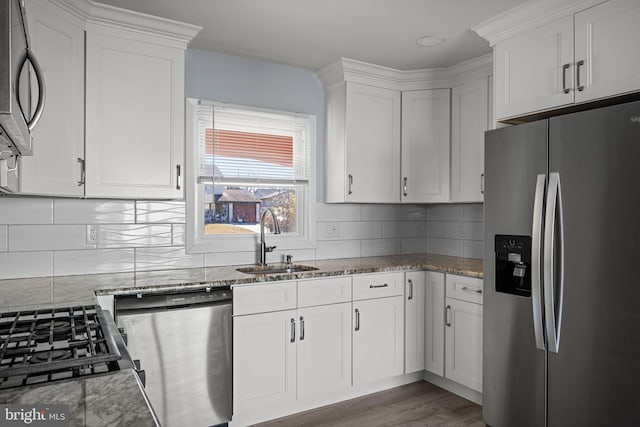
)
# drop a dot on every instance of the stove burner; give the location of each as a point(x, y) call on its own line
point(43, 357)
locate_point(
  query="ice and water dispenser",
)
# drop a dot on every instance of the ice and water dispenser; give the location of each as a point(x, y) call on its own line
point(513, 264)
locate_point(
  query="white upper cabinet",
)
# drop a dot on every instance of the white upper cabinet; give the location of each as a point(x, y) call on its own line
point(56, 167)
point(532, 70)
point(425, 146)
point(606, 41)
point(388, 136)
point(135, 117)
point(548, 57)
point(113, 123)
point(363, 144)
point(469, 121)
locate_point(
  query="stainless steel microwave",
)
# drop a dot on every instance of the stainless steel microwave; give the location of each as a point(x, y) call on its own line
point(21, 104)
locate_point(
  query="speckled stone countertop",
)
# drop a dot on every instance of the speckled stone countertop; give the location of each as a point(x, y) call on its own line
point(117, 399)
point(59, 291)
point(113, 399)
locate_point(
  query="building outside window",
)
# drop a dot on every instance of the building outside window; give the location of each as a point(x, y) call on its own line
point(245, 160)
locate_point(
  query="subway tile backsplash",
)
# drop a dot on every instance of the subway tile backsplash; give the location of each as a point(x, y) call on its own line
point(44, 237)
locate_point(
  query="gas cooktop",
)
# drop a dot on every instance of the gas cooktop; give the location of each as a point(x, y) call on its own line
point(45, 345)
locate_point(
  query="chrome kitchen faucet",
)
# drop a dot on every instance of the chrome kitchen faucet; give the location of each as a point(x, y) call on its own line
point(276, 230)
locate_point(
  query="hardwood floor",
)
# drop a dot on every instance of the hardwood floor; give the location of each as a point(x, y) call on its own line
point(416, 404)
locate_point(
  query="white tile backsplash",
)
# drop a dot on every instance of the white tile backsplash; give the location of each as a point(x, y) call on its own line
point(445, 213)
point(337, 249)
point(379, 247)
point(338, 212)
point(14, 265)
point(360, 230)
point(14, 210)
point(72, 211)
point(43, 236)
point(160, 212)
point(133, 235)
point(380, 212)
point(166, 259)
point(451, 247)
point(92, 262)
point(473, 212)
point(48, 237)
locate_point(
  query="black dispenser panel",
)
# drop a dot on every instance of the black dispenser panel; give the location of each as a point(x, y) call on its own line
point(513, 264)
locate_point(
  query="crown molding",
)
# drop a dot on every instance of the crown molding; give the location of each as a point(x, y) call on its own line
point(528, 16)
point(351, 70)
point(92, 12)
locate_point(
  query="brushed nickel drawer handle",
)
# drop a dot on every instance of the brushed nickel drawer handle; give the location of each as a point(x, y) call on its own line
point(471, 291)
point(410, 290)
point(446, 316)
point(378, 286)
point(357, 319)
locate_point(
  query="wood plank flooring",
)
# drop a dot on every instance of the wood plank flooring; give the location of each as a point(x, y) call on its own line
point(416, 404)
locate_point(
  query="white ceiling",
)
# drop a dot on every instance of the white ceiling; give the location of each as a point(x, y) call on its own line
point(313, 33)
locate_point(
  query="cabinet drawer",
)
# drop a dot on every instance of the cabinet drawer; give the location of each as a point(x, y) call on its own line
point(324, 291)
point(464, 288)
point(263, 298)
point(377, 285)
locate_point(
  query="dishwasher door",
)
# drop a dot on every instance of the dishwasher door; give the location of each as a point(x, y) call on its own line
point(184, 347)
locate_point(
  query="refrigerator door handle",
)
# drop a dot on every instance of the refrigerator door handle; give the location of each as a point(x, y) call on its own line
point(536, 245)
point(554, 232)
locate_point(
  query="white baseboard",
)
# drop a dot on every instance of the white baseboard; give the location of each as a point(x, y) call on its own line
point(453, 387)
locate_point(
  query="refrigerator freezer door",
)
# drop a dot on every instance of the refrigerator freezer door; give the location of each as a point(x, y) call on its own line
point(593, 379)
point(513, 368)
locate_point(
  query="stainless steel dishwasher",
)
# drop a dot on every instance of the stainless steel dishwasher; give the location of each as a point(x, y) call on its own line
point(183, 342)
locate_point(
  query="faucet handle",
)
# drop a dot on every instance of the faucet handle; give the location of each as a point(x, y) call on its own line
point(269, 248)
point(289, 259)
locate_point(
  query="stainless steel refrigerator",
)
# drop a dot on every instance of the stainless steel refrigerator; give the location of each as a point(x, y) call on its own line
point(562, 271)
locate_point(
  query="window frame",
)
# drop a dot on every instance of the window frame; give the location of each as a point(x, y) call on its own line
point(195, 239)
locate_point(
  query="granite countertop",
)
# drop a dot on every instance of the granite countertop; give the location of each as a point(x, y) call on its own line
point(45, 292)
point(114, 399)
point(117, 398)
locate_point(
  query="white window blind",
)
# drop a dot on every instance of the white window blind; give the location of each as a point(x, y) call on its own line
point(240, 145)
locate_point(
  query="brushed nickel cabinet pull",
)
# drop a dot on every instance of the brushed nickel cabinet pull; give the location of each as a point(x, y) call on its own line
point(378, 286)
point(565, 89)
point(404, 187)
point(350, 184)
point(293, 330)
point(301, 328)
point(357, 319)
point(446, 316)
point(410, 289)
point(178, 178)
point(82, 172)
point(579, 64)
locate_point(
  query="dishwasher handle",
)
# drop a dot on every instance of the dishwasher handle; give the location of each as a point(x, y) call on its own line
point(144, 302)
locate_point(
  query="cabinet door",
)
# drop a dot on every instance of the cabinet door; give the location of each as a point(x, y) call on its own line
point(324, 349)
point(434, 323)
point(135, 117)
point(425, 146)
point(372, 144)
point(469, 118)
point(378, 339)
point(529, 70)
point(606, 40)
point(414, 332)
point(264, 360)
point(464, 343)
point(55, 168)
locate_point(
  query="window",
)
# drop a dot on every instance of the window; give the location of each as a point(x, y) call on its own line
point(245, 160)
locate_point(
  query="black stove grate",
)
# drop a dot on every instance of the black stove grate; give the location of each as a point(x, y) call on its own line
point(43, 345)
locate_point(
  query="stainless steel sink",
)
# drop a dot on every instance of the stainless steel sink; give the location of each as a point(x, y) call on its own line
point(275, 269)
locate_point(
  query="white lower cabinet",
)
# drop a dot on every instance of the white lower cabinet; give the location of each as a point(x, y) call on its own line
point(378, 339)
point(434, 323)
point(324, 349)
point(264, 360)
point(463, 334)
point(283, 356)
point(414, 315)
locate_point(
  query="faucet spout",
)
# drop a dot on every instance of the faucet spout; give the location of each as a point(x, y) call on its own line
point(276, 230)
